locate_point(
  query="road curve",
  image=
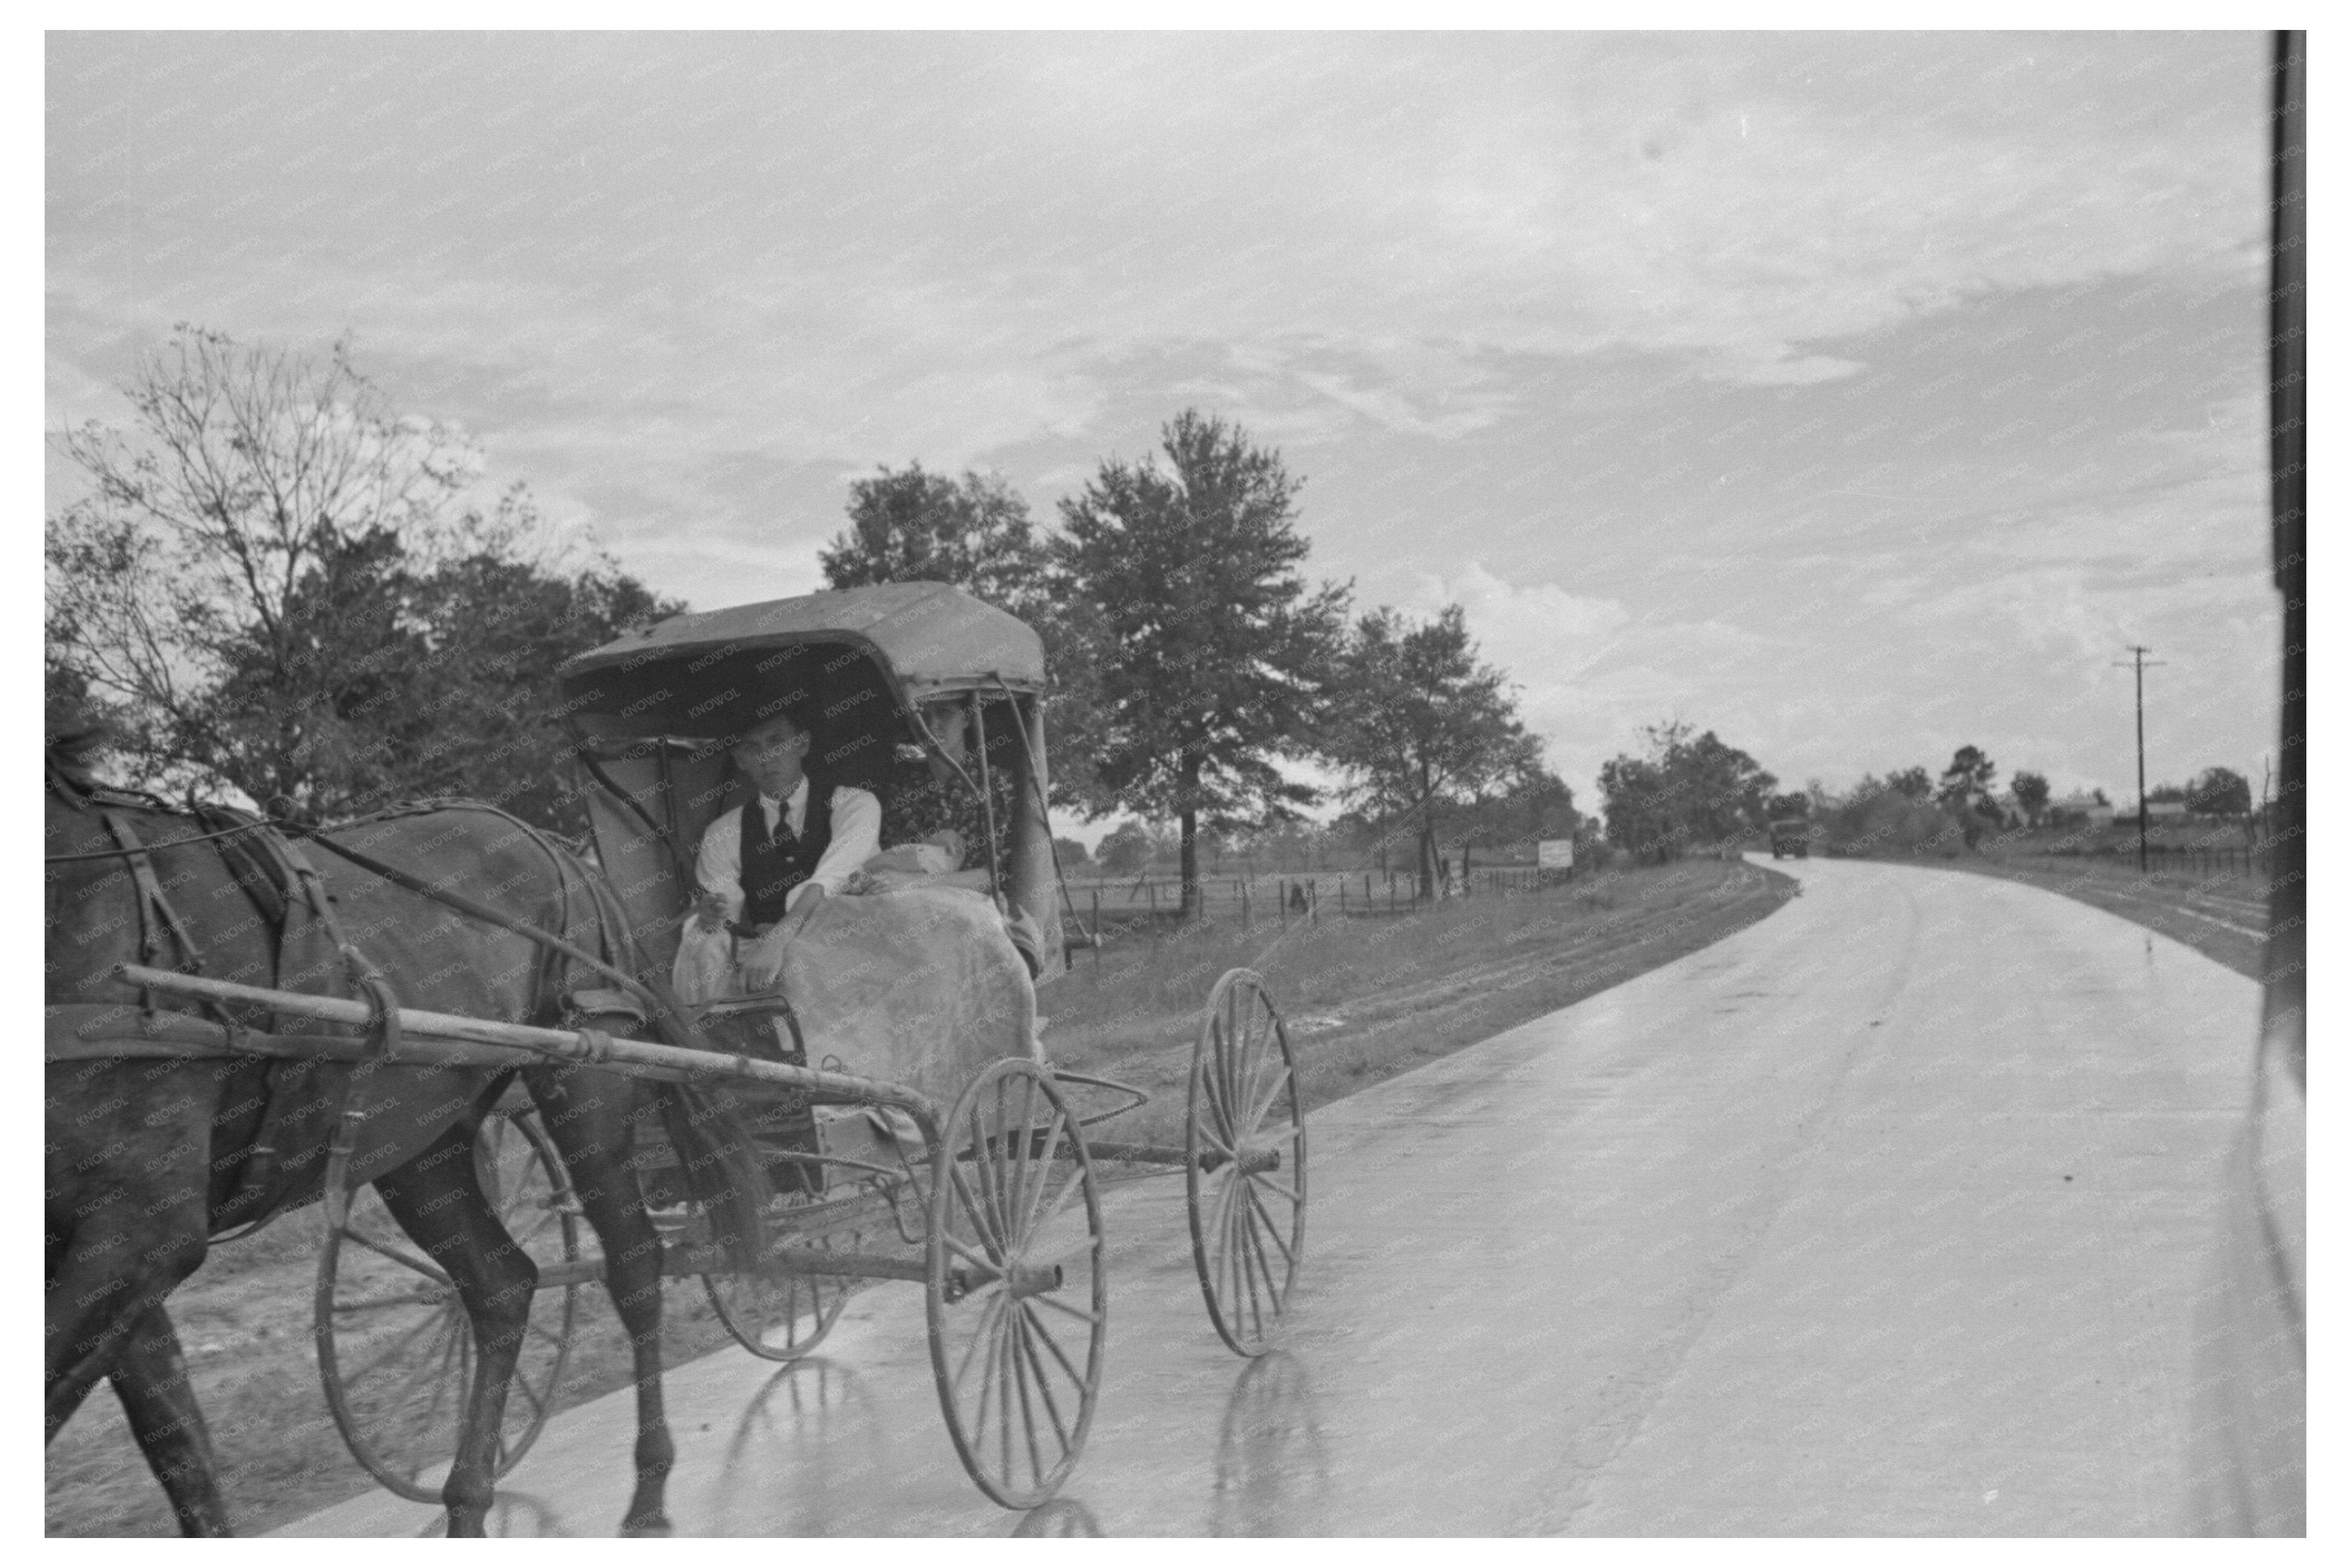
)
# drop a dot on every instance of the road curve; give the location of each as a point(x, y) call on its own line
point(1882, 1216)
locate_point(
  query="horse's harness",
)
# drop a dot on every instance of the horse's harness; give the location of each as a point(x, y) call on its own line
point(265, 857)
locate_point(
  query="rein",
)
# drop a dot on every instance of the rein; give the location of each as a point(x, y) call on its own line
point(160, 844)
point(663, 1007)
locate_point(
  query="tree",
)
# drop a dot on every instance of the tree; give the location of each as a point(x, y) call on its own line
point(1126, 849)
point(1420, 727)
point(1910, 783)
point(2031, 792)
point(910, 524)
point(2166, 795)
point(1687, 790)
point(1072, 855)
point(1213, 654)
point(1966, 781)
point(273, 583)
point(1534, 804)
point(1796, 803)
point(2220, 792)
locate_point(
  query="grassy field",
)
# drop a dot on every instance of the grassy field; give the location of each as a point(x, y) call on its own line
point(1367, 996)
point(2222, 912)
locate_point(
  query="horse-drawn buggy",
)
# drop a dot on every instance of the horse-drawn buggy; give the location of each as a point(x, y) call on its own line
point(472, 1043)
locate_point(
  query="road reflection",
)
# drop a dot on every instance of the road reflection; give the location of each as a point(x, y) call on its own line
point(808, 1437)
point(1062, 1516)
point(1273, 1466)
point(515, 1516)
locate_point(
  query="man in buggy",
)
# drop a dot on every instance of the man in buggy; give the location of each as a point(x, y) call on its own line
point(799, 839)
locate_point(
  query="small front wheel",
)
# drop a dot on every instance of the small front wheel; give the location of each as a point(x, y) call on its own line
point(395, 1346)
point(1245, 1163)
point(780, 1316)
point(1016, 1296)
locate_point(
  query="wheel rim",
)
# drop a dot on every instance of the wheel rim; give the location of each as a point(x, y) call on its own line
point(1019, 1367)
point(1248, 1226)
point(395, 1346)
point(780, 1317)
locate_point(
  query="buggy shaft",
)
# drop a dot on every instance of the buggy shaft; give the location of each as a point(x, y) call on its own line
point(588, 1046)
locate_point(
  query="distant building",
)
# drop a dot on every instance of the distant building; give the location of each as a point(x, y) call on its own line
point(2098, 812)
point(2165, 812)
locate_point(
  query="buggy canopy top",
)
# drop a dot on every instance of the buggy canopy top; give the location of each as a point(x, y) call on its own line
point(858, 659)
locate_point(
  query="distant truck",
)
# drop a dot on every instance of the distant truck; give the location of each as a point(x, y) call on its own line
point(1792, 836)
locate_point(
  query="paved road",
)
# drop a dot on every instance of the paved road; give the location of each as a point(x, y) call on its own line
point(1883, 1215)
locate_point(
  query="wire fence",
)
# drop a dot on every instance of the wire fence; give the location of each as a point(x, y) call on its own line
point(2249, 861)
point(1280, 900)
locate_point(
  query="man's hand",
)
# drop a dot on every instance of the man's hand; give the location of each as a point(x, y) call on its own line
point(709, 911)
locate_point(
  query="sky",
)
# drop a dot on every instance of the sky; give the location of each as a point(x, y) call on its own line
point(1855, 396)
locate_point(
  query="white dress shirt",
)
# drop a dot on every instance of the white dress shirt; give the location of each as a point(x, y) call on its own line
point(856, 839)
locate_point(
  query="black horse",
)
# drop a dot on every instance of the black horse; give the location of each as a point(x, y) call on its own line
point(150, 1156)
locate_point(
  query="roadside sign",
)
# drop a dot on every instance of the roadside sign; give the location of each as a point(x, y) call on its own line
point(1555, 854)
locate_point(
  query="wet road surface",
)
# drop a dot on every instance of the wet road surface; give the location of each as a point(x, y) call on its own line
point(1882, 1216)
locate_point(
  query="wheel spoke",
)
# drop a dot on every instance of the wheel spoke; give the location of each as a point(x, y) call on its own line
point(404, 1259)
point(1029, 1169)
point(1265, 1102)
point(1003, 1364)
point(1082, 1316)
point(1264, 1264)
point(1267, 1182)
point(1271, 1229)
point(398, 1348)
point(1016, 1346)
point(987, 1168)
point(1037, 1324)
point(981, 1259)
point(972, 1210)
point(1053, 1206)
point(1219, 1111)
point(1044, 1388)
point(1238, 1230)
point(979, 1337)
point(1034, 1214)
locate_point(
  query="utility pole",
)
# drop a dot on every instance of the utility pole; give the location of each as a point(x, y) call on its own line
point(2138, 687)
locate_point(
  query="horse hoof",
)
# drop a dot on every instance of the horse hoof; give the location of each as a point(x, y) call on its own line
point(657, 1528)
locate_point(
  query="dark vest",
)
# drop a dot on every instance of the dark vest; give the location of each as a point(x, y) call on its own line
point(773, 867)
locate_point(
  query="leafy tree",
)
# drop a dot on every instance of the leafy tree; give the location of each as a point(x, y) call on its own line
point(272, 584)
point(1966, 781)
point(1637, 804)
point(1535, 803)
point(910, 524)
point(1687, 790)
point(1126, 849)
point(1911, 783)
point(2031, 792)
point(2220, 792)
point(1420, 727)
point(1213, 654)
point(1072, 854)
point(2165, 794)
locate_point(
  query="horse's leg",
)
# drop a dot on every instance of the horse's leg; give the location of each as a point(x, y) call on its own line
point(437, 1198)
point(126, 1221)
point(151, 1378)
point(587, 1114)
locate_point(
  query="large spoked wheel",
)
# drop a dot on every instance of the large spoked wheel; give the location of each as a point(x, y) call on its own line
point(1018, 1297)
point(395, 1346)
point(780, 1317)
point(1245, 1163)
